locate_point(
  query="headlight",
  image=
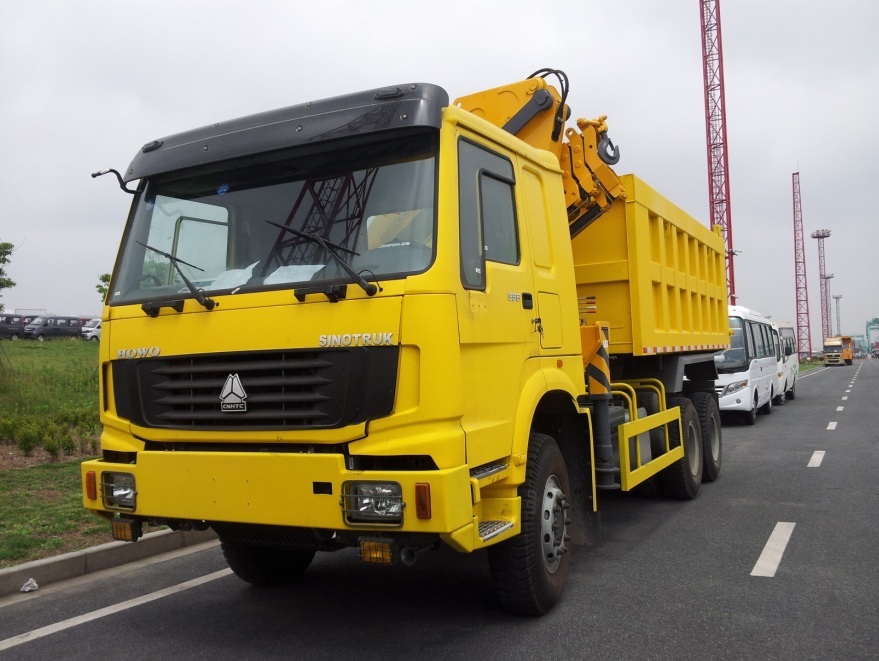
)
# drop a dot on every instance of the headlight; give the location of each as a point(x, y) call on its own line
point(734, 387)
point(368, 502)
point(118, 491)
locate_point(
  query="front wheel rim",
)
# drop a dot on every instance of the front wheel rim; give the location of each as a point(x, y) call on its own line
point(553, 524)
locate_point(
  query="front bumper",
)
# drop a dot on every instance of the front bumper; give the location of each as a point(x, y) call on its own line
point(739, 401)
point(282, 489)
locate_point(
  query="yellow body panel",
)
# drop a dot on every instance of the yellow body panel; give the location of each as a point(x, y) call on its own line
point(656, 274)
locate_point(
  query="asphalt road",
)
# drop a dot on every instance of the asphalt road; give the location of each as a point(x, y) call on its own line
point(671, 580)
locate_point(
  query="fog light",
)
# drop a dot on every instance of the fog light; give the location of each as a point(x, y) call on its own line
point(118, 491)
point(367, 502)
point(376, 551)
point(126, 530)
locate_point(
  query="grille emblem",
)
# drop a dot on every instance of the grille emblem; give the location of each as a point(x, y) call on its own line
point(232, 397)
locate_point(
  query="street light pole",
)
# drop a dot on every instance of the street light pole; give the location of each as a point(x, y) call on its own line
point(836, 298)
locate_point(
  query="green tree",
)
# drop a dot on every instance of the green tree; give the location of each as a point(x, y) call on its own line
point(103, 284)
point(5, 282)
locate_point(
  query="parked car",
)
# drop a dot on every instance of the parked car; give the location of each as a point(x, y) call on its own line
point(91, 330)
point(51, 327)
point(11, 326)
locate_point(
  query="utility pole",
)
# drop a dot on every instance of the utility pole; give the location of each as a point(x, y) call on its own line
point(825, 299)
point(827, 312)
point(836, 298)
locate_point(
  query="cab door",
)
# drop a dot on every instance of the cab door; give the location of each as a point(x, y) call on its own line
point(496, 305)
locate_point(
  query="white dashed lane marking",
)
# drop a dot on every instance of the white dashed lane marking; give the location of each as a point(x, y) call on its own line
point(767, 563)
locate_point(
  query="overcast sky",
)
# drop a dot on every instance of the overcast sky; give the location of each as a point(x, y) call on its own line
point(86, 83)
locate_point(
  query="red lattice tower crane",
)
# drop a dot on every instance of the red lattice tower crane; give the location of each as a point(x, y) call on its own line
point(804, 331)
point(715, 129)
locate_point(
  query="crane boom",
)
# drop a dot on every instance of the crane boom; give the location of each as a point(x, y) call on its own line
point(535, 112)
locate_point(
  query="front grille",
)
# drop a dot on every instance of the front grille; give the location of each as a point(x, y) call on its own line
point(296, 389)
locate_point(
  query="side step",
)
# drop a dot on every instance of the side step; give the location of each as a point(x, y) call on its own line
point(489, 529)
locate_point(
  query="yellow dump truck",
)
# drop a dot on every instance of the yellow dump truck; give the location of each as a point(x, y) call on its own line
point(391, 322)
point(847, 349)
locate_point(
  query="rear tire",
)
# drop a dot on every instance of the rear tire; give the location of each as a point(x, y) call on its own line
point(712, 437)
point(766, 409)
point(682, 479)
point(529, 571)
point(264, 565)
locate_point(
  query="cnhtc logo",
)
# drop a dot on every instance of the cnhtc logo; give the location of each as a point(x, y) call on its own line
point(232, 396)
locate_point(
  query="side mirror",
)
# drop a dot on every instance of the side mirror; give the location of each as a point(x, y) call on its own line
point(788, 351)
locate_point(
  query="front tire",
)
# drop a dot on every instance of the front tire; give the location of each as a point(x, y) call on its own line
point(792, 393)
point(265, 565)
point(780, 398)
point(712, 438)
point(750, 417)
point(682, 479)
point(529, 571)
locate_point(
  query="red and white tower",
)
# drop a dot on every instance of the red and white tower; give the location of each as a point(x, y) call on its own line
point(715, 130)
point(804, 331)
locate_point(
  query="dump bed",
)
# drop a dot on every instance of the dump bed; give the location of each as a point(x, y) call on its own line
point(656, 275)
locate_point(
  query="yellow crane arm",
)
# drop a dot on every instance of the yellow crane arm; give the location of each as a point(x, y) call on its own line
point(535, 112)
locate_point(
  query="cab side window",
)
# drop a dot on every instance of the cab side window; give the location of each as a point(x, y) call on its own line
point(487, 212)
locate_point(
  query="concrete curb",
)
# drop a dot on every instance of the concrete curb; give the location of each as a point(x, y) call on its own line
point(105, 556)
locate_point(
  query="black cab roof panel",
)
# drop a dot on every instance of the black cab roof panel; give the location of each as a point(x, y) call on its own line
point(382, 109)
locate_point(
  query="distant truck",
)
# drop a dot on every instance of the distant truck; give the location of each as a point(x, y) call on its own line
point(29, 314)
point(847, 349)
point(833, 351)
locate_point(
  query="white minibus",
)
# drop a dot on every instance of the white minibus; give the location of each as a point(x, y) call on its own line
point(747, 370)
point(788, 361)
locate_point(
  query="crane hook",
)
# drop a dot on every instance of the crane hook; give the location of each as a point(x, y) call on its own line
point(607, 151)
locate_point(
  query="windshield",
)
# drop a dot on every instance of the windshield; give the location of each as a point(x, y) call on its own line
point(735, 358)
point(227, 226)
point(832, 348)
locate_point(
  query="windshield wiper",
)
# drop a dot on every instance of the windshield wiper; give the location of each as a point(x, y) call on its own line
point(331, 248)
point(197, 294)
